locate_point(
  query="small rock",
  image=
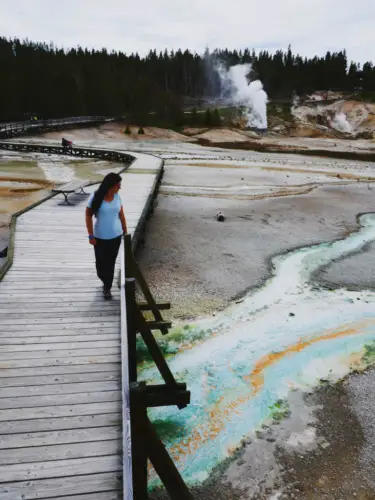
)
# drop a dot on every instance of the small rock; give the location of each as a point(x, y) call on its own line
point(291, 314)
point(325, 445)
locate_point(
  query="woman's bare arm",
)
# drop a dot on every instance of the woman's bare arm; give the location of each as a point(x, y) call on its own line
point(89, 224)
point(123, 220)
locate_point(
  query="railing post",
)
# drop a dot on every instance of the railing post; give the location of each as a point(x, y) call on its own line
point(131, 319)
point(139, 425)
point(128, 253)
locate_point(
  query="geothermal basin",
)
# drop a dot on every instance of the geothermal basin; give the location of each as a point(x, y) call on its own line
point(274, 302)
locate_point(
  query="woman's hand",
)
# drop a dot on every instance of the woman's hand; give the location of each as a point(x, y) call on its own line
point(92, 241)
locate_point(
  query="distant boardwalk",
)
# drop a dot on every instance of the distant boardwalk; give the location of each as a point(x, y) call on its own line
point(60, 353)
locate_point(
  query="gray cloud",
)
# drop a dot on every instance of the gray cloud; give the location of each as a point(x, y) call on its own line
point(310, 27)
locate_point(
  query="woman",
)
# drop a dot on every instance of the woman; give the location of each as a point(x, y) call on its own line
point(105, 204)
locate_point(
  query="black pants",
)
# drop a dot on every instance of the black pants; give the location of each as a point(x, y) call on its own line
point(106, 252)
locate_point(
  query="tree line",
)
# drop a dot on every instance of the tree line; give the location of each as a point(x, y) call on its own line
point(49, 81)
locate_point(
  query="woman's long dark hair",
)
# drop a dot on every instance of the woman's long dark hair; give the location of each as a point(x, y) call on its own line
point(108, 182)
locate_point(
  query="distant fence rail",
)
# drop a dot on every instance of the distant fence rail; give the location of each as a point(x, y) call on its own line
point(17, 128)
point(82, 152)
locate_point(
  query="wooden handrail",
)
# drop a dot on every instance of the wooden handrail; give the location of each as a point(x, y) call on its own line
point(12, 129)
point(126, 423)
point(83, 152)
point(144, 439)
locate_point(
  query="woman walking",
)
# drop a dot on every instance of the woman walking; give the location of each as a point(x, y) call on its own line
point(106, 205)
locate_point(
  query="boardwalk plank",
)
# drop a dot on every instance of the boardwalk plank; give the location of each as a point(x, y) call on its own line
point(50, 488)
point(40, 313)
point(64, 379)
point(28, 440)
point(9, 458)
point(54, 389)
point(51, 424)
point(57, 306)
point(108, 495)
point(62, 369)
point(57, 362)
point(57, 353)
point(60, 411)
point(60, 400)
point(59, 287)
point(48, 295)
point(110, 329)
point(36, 320)
point(46, 346)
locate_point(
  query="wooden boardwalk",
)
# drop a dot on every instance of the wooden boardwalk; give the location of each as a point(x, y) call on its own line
point(14, 129)
point(57, 149)
point(60, 354)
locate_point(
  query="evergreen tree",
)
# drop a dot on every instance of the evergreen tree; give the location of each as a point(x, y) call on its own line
point(208, 119)
point(216, 120)
point(195, 118)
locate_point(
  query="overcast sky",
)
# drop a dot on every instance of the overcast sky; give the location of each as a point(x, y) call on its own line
point(310, 26)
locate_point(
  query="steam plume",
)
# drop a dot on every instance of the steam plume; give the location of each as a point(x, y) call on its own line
point(237, 89)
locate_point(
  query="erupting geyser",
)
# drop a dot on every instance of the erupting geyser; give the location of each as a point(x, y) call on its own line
point(341, 123)
point(249, 95)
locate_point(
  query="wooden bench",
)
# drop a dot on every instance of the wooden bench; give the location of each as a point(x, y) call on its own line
point(71, 187)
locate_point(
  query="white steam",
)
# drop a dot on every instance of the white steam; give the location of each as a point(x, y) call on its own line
point(340, 123)
point(296, 101)
point(240, 92)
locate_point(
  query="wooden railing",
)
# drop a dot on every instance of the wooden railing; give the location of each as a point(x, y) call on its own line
point(138, 430)
point(127, 467)
point(13, 129)
point(82, 152)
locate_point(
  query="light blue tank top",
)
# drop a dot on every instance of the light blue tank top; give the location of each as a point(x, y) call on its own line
point(107, 223)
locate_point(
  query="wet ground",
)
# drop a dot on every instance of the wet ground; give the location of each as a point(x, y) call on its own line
point(324, 449)
point(353, 272)
point(342, 462)
point(202, 264)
